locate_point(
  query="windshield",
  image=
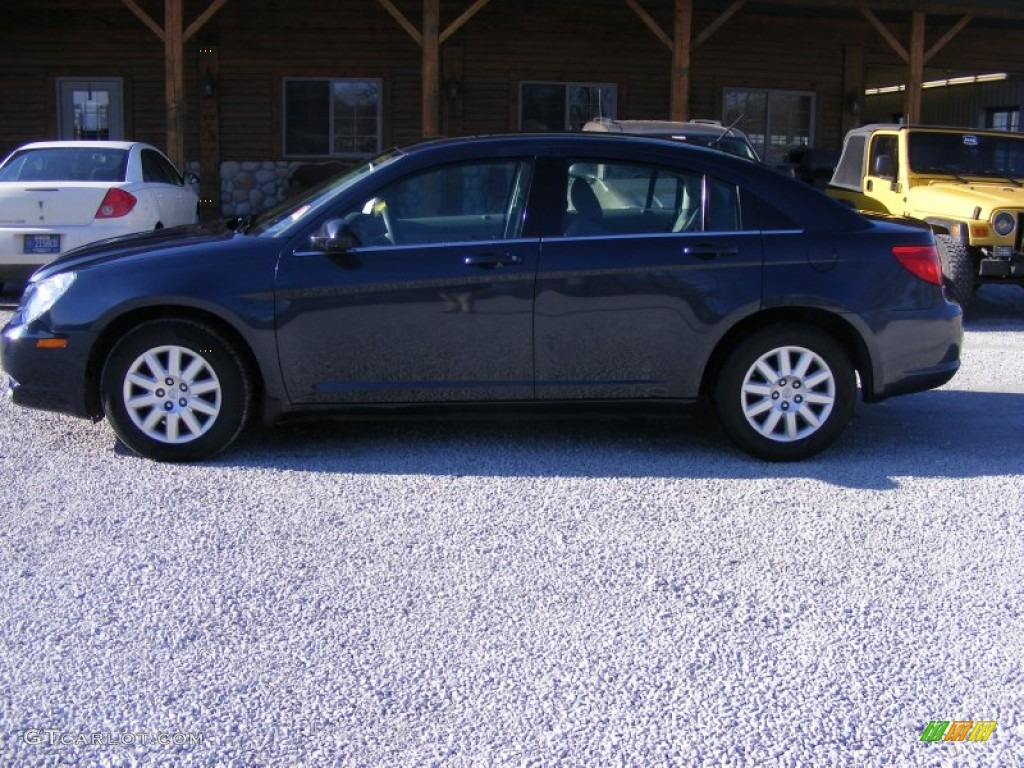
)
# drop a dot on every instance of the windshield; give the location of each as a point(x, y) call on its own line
point(963, 153)
point(278, 221)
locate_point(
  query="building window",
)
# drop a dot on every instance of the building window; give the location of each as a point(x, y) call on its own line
point(776, 122)
point(1003, 118)
point(564, 106)
point(332, 117)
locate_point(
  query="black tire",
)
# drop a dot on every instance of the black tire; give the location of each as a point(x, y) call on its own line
point(777, 420)
point(212, 393)
point(958, 270)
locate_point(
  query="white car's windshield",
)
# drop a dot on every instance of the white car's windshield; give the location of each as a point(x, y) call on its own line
point(278, 221)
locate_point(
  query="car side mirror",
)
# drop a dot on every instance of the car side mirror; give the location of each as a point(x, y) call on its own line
point(334, 236)
point(884, 167)
point(191, 178)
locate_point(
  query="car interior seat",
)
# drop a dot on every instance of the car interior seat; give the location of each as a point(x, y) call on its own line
point(589, 218)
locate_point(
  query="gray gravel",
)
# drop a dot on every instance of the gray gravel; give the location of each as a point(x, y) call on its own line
point(524, 594)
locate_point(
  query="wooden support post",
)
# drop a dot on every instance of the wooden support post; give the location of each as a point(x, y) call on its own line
point(208, 76)
point(431, 67)
point(174, 69)
point(916, 80)
point(683, 28)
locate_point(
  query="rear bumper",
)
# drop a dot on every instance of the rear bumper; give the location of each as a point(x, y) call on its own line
point(51, 379)
point(917, 351)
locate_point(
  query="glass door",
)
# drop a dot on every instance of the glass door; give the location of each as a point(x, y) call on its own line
point(90, 108)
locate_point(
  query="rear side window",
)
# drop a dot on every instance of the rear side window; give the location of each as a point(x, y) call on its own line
point(157, 169)
point(851, 164)
point(634, 199)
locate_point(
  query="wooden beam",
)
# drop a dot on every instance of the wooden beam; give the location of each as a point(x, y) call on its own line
point(650, 23)
point(715, 25)
point(888, 36)
point(915, 86)
point(403, 22)
point(204, 17)
point(174, 50)
point(431, 67)
point(953, 32)
point(209, 135)
point(144, 18)
point(682, 29)
point(456, 25)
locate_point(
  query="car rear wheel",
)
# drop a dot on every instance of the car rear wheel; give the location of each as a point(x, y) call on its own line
point(958, 269)
point(786, 393)
point(175, 390)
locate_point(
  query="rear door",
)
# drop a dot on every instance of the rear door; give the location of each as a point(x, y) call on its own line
point(175, 201)
point(636, 287)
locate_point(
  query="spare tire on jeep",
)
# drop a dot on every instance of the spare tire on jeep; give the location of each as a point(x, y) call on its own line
point(958, 270)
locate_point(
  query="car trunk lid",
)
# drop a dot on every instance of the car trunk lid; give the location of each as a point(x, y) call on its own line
point(50, 204)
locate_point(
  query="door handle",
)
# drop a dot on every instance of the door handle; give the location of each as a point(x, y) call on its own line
point(710, 251)
point(492, 260)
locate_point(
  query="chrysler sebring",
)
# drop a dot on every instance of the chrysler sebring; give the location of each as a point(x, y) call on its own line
point(519, 271)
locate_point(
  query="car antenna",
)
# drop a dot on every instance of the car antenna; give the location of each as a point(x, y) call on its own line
point(727, 131)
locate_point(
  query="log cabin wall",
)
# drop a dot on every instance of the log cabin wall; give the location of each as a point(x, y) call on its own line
point(257, 44)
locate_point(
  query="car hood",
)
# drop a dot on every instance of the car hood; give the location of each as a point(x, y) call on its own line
point(185, 239)
point(961, 198)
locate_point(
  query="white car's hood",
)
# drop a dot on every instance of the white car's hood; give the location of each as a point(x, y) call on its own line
point(50, 204)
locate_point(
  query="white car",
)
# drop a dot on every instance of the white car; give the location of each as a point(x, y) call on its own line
point(58, 195)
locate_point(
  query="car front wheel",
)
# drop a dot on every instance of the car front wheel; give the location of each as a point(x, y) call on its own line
point(175, 390)
point(786, 393)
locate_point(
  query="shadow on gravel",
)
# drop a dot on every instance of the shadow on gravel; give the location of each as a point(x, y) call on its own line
point(943, 433)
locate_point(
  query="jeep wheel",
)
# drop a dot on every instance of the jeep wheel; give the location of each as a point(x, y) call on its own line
point(958, 269)
point(786, 392)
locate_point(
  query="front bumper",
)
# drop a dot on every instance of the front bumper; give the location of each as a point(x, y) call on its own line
point(45, 376)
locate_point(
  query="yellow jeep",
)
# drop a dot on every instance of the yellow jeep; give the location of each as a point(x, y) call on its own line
point(968, 185)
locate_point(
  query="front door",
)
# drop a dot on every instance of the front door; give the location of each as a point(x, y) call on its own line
point(90, 108)
point(435, 304)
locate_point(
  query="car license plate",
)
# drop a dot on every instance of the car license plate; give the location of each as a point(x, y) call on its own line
point(42, 243)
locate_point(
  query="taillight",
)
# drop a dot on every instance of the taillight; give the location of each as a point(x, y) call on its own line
point(921, 260)
point(116, 203)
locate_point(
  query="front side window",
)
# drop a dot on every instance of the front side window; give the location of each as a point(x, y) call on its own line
point(564, 106)
point(885, 160)
point(605, 199)
point(338, 117)
point(464, 202)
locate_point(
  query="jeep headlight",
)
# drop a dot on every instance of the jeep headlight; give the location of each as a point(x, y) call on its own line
point(42, 295)
point(1004, 223)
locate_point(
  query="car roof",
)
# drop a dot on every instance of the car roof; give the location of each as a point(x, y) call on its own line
point(80, 144)
point(873, 127)
point(576, 141)
point(660, 127)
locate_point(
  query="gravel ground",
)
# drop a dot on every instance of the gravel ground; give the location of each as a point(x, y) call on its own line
point(523, 594)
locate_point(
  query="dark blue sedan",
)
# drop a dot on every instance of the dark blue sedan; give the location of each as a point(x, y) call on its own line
point(515, 270)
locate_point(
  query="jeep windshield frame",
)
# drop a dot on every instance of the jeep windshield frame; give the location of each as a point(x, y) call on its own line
point(963, 153)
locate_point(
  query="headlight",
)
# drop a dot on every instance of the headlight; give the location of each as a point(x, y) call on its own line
point(1004, 223)
point(42, 295)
